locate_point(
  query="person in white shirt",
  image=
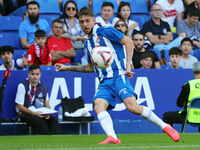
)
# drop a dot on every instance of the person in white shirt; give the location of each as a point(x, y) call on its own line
point(171, 10)
point(107, 11)
point(187, 60)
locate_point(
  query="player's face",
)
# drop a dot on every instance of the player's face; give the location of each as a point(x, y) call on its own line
point(186, 47)
point(33, 10)
point(121, 26)
point(71, 10)
point(175, 59)
point(40, 41)
point(57, 28)
point(6, 57)
point(125, 12)
point(87, 23)
point(34, 76)
point(146, 63)
point(138, 41)
point(107, 12)
point(156, 11)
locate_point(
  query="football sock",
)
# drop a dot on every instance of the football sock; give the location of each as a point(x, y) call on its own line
point(150, 116)
point(106, 123)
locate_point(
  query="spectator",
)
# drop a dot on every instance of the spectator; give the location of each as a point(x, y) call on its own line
point(174, 58)
point(187, 60)
point(6, 54)
point(188, 92)
point(60, 48)
point(190, 27)
point(123, 13)
point(171, 10)
point(72, 28)
point(33, 23)
point(107, 11)
point(187, 2)
point(138, 41)
point(192, 6)
point(122, 26)
point(158, 32)
point(43, 124)
point(146, 60)
point(38, 53)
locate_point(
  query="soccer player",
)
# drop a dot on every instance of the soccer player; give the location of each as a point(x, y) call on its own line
point(114, 80)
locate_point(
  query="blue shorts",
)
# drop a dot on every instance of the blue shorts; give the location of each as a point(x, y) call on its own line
point(115, 88)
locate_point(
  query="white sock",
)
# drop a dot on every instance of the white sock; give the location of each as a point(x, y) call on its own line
point(150, 116)
point(106, 123)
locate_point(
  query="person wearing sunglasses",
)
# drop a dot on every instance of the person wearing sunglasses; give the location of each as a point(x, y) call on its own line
point(121, 26)
point(123, 13)
point(33, 23)
point(71, 27)
point(107, 11)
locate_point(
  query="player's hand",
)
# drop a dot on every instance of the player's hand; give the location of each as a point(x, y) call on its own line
point(60, 67)
point(129, 73)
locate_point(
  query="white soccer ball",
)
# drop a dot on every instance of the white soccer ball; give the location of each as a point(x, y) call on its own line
point(102, 57)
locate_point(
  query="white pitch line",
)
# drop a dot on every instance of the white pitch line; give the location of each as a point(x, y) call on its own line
point(131, 147)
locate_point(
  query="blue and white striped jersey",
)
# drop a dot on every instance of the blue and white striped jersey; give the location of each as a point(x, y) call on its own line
point(108, 37)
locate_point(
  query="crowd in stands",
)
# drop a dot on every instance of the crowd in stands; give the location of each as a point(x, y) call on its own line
point(49, 36)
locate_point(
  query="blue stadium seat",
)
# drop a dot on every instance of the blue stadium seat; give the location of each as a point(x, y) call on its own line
point(47, 67)
point(79, 54)
point(49, 19)
point(197, 54)
point(141, 19)
point(10, 23)
point(49, 8)
point(157, 52)
point(11, 39)
point(80, 4)
point(96, 5)
point(138, 6)
point(18, 53)
point(163, 66)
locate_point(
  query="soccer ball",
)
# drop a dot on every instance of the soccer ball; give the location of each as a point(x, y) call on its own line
point(102, 57)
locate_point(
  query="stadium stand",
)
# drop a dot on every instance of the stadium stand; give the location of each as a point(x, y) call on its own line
point(197, 54)
point(49, 8)
point(10, 23)
point(11, 39)
point(157, 52)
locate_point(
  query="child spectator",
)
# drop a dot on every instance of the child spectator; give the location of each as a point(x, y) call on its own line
point(175, 58)
point(38, 53)
point(187, 60)
point(146, 60)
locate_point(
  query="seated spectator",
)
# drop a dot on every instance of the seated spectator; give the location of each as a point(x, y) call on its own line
point(192, 6)
point(146, 60)
point(174, 58)
point(38, 53)
point(33, 23)
point(38, 91)
point(72, 28)
point(188, 92)
point(6, 54)
point(171, 10)
point(187, 60)
point(107, 11)
point(138, 41)
point(158, 32)
point(124, 13)
point(122, 26)
point(190, 27)
point(60, 48)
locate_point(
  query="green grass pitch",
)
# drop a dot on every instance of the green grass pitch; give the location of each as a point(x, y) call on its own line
point(188, 141)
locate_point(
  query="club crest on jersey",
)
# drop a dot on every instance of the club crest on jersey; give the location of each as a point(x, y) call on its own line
point(98, 40)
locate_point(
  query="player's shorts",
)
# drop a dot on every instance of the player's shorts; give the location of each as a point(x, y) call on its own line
point(115, 88)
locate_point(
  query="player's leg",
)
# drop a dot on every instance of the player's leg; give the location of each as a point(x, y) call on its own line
point(100, 107)
point(147, 114)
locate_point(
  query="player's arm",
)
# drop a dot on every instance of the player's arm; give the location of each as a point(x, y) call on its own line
point(85, 68)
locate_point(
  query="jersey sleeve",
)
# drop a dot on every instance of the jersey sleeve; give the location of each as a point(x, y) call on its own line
point(112, 34)
point(20, 96)
point(22, 31)
point(30, 54)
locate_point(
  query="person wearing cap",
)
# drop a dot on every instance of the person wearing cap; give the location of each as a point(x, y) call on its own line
point(188, 92)
point(6, 54)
